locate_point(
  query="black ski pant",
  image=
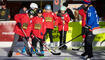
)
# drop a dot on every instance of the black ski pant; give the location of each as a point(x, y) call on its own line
point(88, 44)
point(50, 35)
point(34, 42)
point(62, 37)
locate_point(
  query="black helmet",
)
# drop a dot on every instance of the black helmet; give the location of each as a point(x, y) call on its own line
point(31, 12)
point(39, 11)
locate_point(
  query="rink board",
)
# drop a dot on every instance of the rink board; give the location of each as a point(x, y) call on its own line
point(7, 28)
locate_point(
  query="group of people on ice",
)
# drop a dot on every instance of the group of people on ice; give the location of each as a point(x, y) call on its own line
point(36, 24)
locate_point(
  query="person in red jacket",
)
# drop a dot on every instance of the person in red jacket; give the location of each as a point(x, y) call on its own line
point(38, 30)
point(23, 21)
point(63, 26)
point(82, 12)
point(50, 17)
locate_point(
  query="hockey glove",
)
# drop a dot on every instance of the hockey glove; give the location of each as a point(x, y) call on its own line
point(87, 28)
point(41, 33)
point(43, 42)
point(19, 25)
point(59, 14)
point(55, 26)
point(26, 38)
point(83, 31)
point(62, 18)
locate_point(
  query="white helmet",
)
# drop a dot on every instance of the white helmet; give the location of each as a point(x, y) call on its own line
point(63, 8)
point(33, 5)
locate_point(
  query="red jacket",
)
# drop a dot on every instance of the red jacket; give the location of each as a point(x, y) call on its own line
point(49, 19)
point(60, 22)
point(83, 14)
point(39, 27)
point(26, 24)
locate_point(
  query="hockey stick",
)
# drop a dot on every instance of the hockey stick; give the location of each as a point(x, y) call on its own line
point(98, 31)
point(31, 44)
point(63, 32)
point(69, 41)
point(95, 32)
point(102, 42)
point(79, 47)
point(50, 50)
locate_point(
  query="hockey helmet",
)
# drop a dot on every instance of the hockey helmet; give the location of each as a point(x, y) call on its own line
point(63, 8)
point(87, 1)
point(31, 12)
point(33, 5)
point(39, 11)
point(48, 7)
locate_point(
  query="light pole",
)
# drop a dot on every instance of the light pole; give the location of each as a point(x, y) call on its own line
point(40, 3)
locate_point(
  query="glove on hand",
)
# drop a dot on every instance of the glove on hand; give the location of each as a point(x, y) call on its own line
point(62, 18)
point(41, 33)
point(26, 38)
point(19, 25)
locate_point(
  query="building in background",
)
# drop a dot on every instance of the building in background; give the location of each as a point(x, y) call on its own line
point(15, 5)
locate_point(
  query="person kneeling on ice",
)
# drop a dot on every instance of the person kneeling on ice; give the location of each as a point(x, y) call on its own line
point(39, 30)
point(63, 26)
point(23, 26)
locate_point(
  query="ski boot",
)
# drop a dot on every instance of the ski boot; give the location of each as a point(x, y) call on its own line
point(29, 53)
point(10, 53)
point(84, 55)
point(33, 52)
point(61, 48)
point(52, 45)
point(64, 47)
point(42, 53)
point(88, 58)
point(24, 50)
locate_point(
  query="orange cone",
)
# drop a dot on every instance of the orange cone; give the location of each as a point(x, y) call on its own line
point(17, 53)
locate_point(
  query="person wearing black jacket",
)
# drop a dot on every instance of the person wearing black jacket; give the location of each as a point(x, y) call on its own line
point(4, 13)
point(69, 11)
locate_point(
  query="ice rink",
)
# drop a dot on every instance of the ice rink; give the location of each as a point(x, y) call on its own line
point(99, 54)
